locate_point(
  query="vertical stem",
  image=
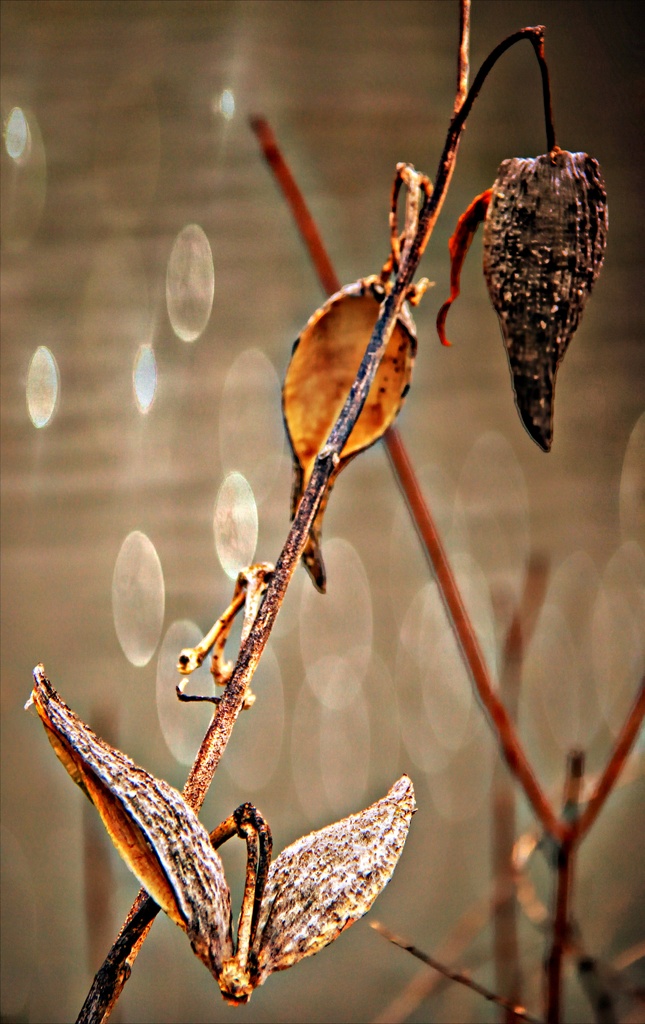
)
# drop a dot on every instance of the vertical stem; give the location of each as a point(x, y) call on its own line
point(564, 885)
point(463, 55)
point(560, 933)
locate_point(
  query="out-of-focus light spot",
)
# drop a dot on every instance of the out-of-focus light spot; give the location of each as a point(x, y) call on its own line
point(459, 792)
point(558, 707)
point(251, 434)
point(491, 503)
point(340, 621)
point(436, 705)
point(127, 148)
point(253, 753)
point(618, 634)
point(407, 570)
point(334, 682)
point(24, 185)
point(190, 283)
point(632, 486)
point(138, 598)
point(227, 104)
point(19, 935)
point(43, 387)
point(144, 377)
point(17, 137)
point(305, 757)
point(330, 755)
point(235, 524)
point(344, 754)
point(552, 670)
point(183, 725)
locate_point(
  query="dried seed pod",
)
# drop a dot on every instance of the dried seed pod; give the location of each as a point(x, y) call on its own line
point(291, 909)
point(544, 239)
point(158, 835)
point(327, 880)
point(324, 363)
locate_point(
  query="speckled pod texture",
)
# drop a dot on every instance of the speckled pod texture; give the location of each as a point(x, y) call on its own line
point(544, 240)
point(327, 880)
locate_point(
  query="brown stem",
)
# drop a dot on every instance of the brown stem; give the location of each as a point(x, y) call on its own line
point(560, 932)
point(535, 36)
point(504, 794)
point(560, 941)
point(421, 986)
point(518, 1012)
point(463, 55)
point(615, 765)
point(304, 221)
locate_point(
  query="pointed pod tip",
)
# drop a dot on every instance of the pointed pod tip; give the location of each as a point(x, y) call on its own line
point(538, 431)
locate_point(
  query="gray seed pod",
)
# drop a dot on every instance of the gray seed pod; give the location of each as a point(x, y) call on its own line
point(544, 239)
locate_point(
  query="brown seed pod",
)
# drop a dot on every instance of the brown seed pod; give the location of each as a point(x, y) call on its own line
point(291, 909)
point(323, 366)
point(544, 239)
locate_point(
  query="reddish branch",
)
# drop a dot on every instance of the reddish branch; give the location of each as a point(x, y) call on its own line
point(615, 765)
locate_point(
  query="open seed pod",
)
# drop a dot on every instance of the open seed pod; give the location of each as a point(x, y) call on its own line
point(544, 239)
point(292, 907)
point(323, 366)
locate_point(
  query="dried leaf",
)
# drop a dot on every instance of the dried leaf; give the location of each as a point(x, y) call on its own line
point(329, 879)
point(324, 363)
point(158, 835)
point(544, 240)
point(458, 247)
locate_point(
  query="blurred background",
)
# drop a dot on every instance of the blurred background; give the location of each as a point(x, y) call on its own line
point(153, 283)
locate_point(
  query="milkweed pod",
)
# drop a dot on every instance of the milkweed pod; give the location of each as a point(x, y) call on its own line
point(544, 240)
point(157, 834)
point(316, 888)
point(327, 880)
point(323, 366)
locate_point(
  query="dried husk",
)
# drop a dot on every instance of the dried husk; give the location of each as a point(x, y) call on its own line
point(316, 888)
point(544, 240)
point(323, 366)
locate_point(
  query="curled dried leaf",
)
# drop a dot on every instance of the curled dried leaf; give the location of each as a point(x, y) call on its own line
point(458, 247)
point(544, 241)
point(323, 366)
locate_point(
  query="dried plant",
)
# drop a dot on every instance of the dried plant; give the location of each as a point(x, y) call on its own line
point(544, 233)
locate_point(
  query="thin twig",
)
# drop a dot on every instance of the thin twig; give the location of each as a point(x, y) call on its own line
point(504, 793)
point(463, 55)
point(564, 884)
point(624, 743)
point(295, 200)
point(518, 1012)
point(451, 948)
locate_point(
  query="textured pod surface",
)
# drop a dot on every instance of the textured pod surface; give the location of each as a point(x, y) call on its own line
point(329, 879)
point(544, 240)
point(324, 363)
point(158, 835)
